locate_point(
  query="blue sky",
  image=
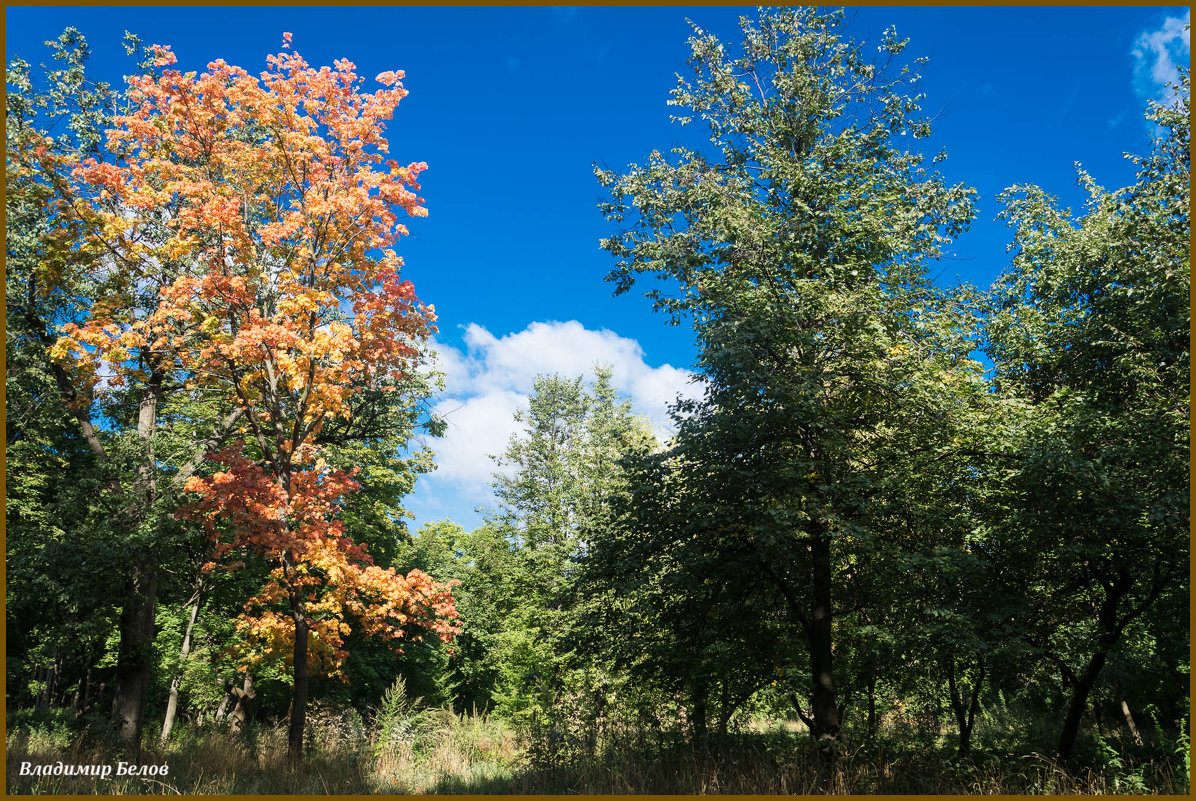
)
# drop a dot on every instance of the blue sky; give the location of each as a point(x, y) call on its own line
point(510, 107)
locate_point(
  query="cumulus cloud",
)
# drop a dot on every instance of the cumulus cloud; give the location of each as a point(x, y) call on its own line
point(1157, 55)
point(477, 428)
point(488, 379)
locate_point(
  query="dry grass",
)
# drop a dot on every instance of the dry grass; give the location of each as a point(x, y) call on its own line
point(435, 751)
point(443, 751)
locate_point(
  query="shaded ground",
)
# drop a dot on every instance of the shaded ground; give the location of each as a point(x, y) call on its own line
point(444, 753)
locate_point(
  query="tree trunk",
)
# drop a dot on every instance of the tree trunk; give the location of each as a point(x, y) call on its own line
point(1079, 700)
point(172, 704)
point(49, 678)
point(965, 713)
point(1129, 717)
point(43, 696)
point(597, 707)
point(52, 688)
point(725, 710)
point(299, 698)
point(238, 719)
point(135, 654)
point(84, 691)
point(219, 715)
point(97, 696)
point(825, 715)
point(1109, 633)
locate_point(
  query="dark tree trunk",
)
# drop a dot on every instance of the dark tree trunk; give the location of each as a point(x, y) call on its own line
point(597, 708)
point(824, 715)
point(965, 709)
point(59, 696)
point(49, 678)
point(84, 692)
point(172, 703)
point(135, 654)
point(299, 697)
point(1110, 631)
point(801, 714)
point(97, 697)
point(43, 695)
point(1079, 700)
point(52, 688)
point(725, 710)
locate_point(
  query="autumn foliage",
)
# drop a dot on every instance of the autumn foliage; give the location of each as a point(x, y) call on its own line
point(244, 508)
point(263, 213)
point(241, 232)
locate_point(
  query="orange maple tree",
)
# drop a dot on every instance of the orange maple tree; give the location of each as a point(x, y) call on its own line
point(335, 579)
point(258, 215)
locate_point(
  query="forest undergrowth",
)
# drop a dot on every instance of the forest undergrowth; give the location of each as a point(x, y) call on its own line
point(433, 750)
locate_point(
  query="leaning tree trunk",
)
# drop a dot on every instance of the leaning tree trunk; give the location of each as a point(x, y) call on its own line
point(1129, 716)
point(218, 715)
point(824, 714)
point(172, 703)
point(1079, 701)
point(1109, 634)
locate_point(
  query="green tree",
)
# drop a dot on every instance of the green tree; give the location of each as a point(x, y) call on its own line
point(555, 484)
point(1092, 334)
point(797, 248)
point(680, 618)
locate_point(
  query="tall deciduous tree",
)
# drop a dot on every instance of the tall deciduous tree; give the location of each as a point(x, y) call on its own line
point(796, 245)
point(1092, 332)
point(60, 272)
point(244, 227)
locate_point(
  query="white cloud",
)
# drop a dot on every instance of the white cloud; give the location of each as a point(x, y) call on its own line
point(477, 428)
point(487, 381)
point(1157, 54)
